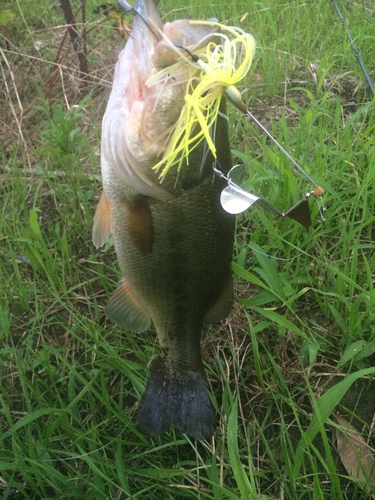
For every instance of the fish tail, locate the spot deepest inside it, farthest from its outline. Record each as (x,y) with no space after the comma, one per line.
(176,399)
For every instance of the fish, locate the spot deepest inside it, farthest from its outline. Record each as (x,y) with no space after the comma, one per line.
(172,238)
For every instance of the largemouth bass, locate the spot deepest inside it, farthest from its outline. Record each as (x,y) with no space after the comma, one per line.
(172,239)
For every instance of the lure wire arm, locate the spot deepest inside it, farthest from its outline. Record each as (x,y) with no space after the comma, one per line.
(318,191)
(281,148)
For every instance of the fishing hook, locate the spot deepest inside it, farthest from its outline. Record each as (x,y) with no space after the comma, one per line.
(131,10)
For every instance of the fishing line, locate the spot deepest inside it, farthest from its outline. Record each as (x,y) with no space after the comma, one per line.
(356,50)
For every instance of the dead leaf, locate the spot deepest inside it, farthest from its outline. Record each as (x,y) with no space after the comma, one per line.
(356,455)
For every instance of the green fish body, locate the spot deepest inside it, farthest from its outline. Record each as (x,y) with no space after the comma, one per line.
(172,239)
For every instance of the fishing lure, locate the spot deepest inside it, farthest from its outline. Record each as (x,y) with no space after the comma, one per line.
(221,67)
(236,200)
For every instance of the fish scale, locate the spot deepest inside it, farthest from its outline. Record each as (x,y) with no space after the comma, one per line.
(185,266)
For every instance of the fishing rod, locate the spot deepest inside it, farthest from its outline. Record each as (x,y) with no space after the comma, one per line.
(356,50)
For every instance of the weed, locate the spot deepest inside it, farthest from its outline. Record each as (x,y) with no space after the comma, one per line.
(300,341)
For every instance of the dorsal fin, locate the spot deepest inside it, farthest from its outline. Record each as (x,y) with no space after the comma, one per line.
(125,309)
(102,222)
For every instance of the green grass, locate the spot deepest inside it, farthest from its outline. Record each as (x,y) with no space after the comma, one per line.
(301,339)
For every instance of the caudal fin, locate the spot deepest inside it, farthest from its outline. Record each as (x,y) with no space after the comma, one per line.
(179,400)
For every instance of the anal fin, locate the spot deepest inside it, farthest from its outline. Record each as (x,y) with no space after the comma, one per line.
(126,310)
(102,222)
(222,306)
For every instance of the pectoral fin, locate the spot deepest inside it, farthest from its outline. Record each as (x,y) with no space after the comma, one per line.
(222,306)
(126,310)
(140,223)
(102,222)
